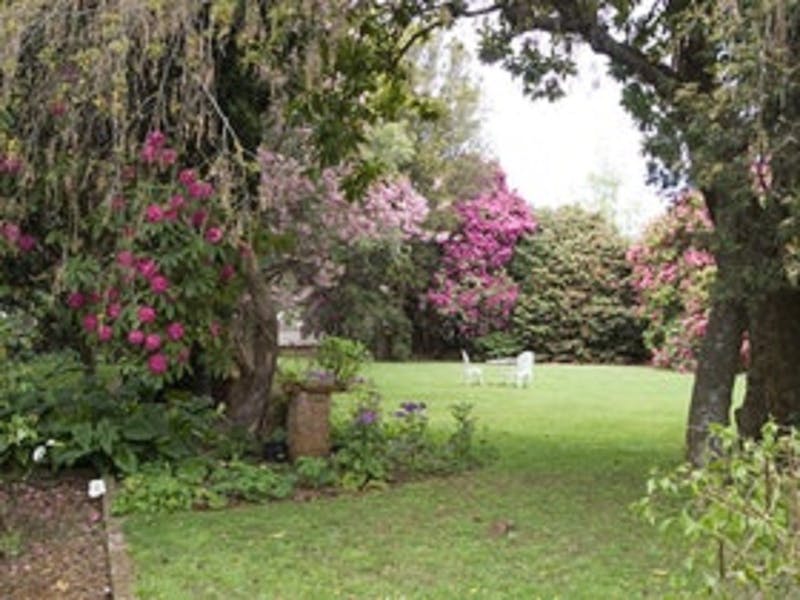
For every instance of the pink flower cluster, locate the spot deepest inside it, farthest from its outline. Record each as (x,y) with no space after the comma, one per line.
(672,277)
(156,152)
(10,165)
(472,285)
(16,238)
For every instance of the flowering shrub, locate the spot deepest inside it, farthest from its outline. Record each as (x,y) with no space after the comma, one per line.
(171,280)
(472,287)
(673,274)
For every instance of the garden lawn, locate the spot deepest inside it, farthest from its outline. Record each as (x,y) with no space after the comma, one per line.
(549,518)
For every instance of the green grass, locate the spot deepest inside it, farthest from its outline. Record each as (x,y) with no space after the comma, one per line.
(574,450)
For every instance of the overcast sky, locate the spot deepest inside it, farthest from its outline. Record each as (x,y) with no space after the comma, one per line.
(551,150)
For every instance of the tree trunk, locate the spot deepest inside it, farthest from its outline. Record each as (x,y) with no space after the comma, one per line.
(773,383)
(716,371)
(255,342)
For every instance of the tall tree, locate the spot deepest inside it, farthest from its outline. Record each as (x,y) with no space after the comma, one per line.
(713,86)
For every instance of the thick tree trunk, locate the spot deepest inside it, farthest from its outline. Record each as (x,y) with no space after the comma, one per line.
(716,371)
(773,382)
(255,341)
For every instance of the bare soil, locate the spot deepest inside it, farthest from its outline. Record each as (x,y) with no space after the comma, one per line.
(52,541)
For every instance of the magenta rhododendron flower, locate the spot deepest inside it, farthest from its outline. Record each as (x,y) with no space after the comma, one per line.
(113,310)
(227,273)
(199,217)
(158,364)
(167,157)
(104,333)
(26,242)
(175,331)
(152,342)
(159,284)
(126,258)
(146,314)
(147,267)
(154,213)
(136,337)
(76,300)
(177,202)
(214,235)
(90,322)
(200,190)
(112,294)
(187,176)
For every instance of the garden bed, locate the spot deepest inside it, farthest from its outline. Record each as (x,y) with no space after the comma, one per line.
(57,548)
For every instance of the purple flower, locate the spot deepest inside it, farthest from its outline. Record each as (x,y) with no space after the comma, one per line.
(366,417)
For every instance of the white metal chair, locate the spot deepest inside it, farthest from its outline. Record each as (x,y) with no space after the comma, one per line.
(523,369)
(472,373)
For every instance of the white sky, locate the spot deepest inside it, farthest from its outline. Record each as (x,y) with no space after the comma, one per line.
(550,150)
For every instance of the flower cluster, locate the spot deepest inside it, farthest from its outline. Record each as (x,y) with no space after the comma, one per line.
(170,281)
(15,238)
(472,286)
(672,275)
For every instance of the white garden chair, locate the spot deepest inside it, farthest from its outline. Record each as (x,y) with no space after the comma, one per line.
(522,374)
(472,373)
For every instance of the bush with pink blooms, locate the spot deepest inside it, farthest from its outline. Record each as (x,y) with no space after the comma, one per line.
(673,272)
(170,279)
(472,289)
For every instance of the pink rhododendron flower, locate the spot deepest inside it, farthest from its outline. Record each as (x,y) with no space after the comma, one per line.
(154,213)
(113,310)
(214,235)
(227,273)
(152,342)
(175,331)
(199,217)
(26,242)
(187,176)
(157,364)
(159,284)
(177,202)
(76,300)
(126,258)
(104,333)
(94,297)
(147,267)
(136,337)
(167,157)
(146,314)
(90,322)
(200,190)
(112,294)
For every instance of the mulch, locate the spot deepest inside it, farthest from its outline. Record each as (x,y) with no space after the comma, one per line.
(60,551)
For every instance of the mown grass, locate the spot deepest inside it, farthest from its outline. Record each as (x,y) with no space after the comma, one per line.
(574,450)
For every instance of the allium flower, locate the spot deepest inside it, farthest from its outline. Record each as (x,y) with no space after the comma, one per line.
(146,314)
(104,333)
(136,337)
(227,273)
(157,364)
(200,190)
(152,342)
(199,217)
(167,157)
(367,417)
(154,213)
(214,235)
(76,300)
(175,331)
(177,202)
(159,284)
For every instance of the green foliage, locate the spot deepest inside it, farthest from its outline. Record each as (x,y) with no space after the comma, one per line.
(342,357)
(198,483)
(89,421)
(741,513)
(314,472)
(575,303)
(374,449)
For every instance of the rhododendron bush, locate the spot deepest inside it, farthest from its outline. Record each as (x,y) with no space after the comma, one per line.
(472,288)
(673,274)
